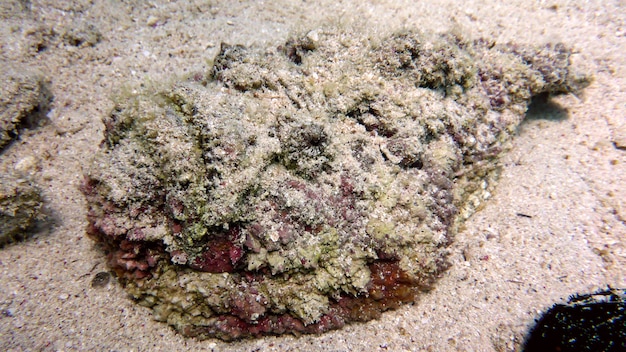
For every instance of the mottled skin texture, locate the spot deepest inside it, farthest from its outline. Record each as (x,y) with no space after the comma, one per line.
(298,188)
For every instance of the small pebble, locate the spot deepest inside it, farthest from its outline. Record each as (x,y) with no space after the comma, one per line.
(101,279)
(619,142)
(152,21)
(26,164)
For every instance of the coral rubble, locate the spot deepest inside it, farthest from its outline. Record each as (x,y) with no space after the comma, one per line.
(21,205)
(298,188)
(24,98)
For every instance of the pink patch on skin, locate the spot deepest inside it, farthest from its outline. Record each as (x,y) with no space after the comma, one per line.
(137,234)
(179,257)
(252,245)
(151,260)
(177,228)
(128,255)
(235,254)
(220,256)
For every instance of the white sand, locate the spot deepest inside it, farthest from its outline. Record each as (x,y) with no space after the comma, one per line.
(564,171)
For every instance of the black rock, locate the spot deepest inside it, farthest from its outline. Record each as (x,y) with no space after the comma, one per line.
(590,322)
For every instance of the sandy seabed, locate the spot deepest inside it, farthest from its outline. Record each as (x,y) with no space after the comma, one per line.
(566,171)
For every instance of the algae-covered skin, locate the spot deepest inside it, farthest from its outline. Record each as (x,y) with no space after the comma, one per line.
(297,188)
